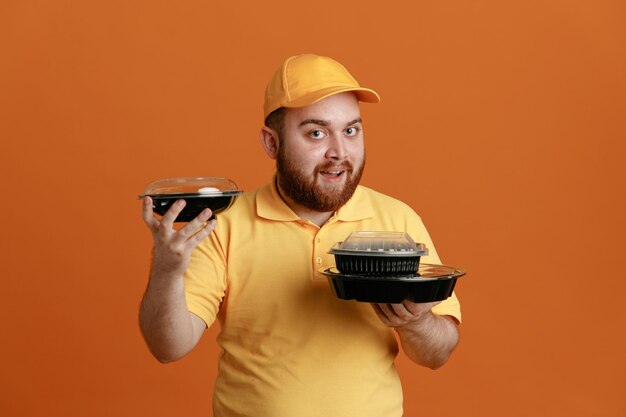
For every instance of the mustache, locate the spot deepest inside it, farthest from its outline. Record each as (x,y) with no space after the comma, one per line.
(344,166)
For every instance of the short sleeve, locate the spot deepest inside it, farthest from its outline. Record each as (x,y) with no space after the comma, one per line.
(205,279)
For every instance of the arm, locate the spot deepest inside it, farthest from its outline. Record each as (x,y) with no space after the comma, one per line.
(426,338)
(169,329)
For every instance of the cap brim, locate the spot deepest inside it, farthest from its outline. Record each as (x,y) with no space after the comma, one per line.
(363,94)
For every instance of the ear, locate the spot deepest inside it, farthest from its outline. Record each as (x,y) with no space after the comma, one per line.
(269,140)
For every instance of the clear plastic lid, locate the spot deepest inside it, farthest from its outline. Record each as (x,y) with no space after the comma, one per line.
(191,187)
(379,244)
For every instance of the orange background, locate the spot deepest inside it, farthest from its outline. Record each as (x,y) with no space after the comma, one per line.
(502,124)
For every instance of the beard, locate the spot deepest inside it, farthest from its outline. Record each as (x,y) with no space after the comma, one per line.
(305,191)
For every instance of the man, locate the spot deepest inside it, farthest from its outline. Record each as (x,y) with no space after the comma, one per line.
(290,348)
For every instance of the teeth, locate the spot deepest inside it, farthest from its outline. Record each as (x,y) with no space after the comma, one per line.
(335,173)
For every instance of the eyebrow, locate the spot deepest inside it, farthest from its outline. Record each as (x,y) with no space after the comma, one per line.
(325,123)
(313,122)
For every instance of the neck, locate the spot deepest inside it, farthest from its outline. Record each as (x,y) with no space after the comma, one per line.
(316,217)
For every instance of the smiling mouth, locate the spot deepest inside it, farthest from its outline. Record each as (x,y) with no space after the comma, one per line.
(333,173)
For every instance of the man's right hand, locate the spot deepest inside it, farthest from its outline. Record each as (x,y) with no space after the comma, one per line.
(172,248)
(169,328)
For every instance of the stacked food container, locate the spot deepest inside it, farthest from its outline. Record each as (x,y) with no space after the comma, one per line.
(384,267)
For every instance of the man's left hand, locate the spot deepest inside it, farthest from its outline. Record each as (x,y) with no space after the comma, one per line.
(427,338)
(407,312)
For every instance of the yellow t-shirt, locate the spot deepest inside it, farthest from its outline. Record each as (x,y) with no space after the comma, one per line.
(289,346)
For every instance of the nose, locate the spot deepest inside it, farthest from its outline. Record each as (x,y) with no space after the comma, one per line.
(336,148)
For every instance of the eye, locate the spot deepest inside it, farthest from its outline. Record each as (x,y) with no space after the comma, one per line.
(352,131)
(316,134)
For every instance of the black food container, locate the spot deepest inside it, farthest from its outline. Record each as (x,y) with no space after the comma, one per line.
(429,283)
(216,193)
(378,254)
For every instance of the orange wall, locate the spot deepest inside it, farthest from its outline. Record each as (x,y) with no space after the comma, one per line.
(502,124)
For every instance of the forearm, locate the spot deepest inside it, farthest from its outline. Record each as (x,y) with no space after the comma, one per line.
(430,340)
(166,323)
(168,327)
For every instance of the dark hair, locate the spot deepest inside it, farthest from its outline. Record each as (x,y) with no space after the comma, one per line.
(275,120)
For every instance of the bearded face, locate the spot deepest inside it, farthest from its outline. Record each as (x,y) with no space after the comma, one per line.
(320,154)
(308,190)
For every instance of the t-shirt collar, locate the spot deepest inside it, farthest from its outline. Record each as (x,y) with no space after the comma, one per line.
(359,207)
(269,204)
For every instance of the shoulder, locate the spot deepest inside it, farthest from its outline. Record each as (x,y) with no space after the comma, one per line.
(242,207)
(236,220)
(384,203)
(393,214)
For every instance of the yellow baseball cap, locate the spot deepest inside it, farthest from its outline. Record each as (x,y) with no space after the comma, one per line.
(306,79)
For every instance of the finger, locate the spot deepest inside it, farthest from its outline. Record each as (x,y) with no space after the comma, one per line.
(196,225)
(381,315)
(173,212)
(202,234)
(401,311)
(417,309)
(387,311)
(390,317)
(148,216)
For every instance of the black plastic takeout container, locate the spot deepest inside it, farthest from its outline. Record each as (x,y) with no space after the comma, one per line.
(378,253)
(429,283)
(216,193)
